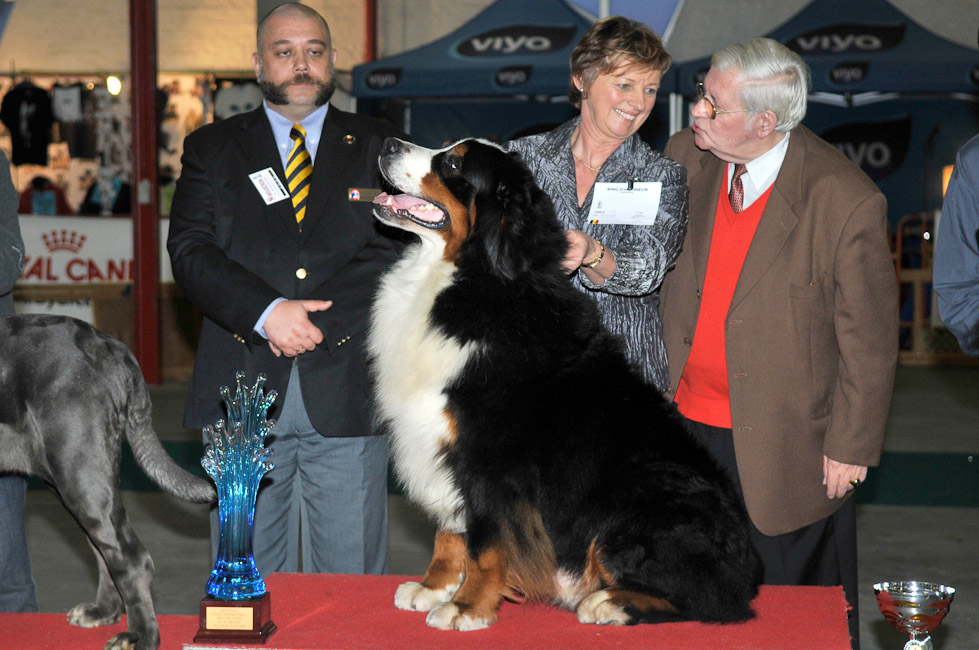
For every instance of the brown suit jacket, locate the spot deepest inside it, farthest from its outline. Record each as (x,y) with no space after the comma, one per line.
(811,336)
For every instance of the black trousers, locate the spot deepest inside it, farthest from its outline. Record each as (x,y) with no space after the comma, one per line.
(823,553)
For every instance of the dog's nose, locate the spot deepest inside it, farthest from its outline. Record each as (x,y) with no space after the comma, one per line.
(392,146)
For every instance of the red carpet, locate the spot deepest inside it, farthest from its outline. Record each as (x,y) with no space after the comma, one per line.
(330,612)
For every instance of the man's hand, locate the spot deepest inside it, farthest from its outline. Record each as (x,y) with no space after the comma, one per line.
(289,329)
(837,477)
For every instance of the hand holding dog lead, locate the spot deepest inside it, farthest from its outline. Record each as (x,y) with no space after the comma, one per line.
(289,330)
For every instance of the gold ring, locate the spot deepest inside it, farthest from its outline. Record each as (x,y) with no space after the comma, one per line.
(855,482)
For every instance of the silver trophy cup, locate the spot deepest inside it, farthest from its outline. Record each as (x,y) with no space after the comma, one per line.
(914,607)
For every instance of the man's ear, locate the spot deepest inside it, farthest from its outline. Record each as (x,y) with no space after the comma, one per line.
(765,123)
(256,63)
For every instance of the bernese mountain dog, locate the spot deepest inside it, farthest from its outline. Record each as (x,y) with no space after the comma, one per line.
(553,471)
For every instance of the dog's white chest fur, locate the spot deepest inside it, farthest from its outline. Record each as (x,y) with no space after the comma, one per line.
(413,363)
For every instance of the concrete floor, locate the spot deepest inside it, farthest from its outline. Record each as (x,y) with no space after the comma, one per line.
(934,410)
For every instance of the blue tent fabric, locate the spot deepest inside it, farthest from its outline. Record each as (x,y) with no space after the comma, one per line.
(656,15)
(513,47)
(866,46)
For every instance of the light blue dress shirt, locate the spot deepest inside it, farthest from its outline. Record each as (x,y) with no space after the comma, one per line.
(281,130)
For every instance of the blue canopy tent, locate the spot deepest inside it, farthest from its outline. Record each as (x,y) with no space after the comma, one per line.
(656,15)
(503,73)
(894,97)
(512,47)
(864,47)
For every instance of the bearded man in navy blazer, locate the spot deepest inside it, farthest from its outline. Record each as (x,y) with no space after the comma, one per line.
(287,292)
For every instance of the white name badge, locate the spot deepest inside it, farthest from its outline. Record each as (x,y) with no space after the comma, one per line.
(617,203)
(269,186)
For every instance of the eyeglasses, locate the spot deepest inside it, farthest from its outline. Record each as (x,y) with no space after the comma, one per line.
(712,110)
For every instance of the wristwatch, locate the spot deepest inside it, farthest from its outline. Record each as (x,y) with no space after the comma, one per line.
(598,260)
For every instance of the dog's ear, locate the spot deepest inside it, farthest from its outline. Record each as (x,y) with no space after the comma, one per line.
(503,194)
(518,229)
(513,239)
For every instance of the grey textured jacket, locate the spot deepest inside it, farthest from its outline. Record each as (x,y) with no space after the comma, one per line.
(11,244)
(628,300)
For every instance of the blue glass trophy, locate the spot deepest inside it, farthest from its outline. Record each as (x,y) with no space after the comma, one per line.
(237,606)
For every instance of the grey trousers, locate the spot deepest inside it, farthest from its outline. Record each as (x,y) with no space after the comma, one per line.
(326,498)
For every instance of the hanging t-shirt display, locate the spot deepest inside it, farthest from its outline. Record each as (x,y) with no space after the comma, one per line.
(26,112)
(66,100)
(75,111)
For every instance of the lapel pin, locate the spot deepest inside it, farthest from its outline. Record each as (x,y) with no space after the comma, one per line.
(349,139)
(363,194)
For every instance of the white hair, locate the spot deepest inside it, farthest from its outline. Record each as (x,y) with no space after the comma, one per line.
(772,77)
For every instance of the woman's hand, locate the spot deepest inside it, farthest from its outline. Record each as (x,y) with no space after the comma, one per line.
(581,249)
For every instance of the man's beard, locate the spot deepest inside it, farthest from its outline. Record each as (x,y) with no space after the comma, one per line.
(276,93)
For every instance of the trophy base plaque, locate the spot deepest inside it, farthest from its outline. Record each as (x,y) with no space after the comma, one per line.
(235,621)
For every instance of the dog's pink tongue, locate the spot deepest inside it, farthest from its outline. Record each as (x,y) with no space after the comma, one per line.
(419,208)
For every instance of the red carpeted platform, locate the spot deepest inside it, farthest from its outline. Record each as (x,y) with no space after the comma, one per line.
(332,612)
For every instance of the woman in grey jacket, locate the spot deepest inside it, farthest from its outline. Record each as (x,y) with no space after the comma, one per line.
(619,250)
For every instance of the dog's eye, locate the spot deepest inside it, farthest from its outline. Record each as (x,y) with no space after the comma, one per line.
(453,163)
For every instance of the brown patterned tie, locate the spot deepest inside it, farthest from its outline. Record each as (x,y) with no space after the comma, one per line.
(736,195)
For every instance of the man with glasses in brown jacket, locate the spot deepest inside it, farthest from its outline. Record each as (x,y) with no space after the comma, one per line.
(780,317)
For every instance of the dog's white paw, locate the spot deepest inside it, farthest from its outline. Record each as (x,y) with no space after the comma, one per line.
(413,596)
(89,615)
(124,641)
(598,609)
(448,617)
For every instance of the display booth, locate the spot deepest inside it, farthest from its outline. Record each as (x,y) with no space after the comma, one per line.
(68,141)
(83,267)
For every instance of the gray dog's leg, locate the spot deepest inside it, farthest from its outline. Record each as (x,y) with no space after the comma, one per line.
(88,490)
(107,608)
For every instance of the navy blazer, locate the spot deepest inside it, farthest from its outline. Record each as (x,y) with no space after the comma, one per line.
(232,255)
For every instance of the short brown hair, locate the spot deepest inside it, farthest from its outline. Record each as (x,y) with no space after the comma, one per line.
(610,43)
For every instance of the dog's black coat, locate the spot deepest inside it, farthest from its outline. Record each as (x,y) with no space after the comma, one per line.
(71,394)
(548,413)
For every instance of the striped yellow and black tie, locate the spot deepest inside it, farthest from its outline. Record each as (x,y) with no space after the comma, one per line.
(299,167)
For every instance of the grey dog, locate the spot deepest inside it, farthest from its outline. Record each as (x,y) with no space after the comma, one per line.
(70,394)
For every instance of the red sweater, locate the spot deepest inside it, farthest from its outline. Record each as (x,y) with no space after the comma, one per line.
(702,394)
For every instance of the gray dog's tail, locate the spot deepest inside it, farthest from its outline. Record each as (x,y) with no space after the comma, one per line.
(150,454)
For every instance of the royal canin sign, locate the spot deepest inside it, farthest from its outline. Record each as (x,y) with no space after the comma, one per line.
(79,250)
